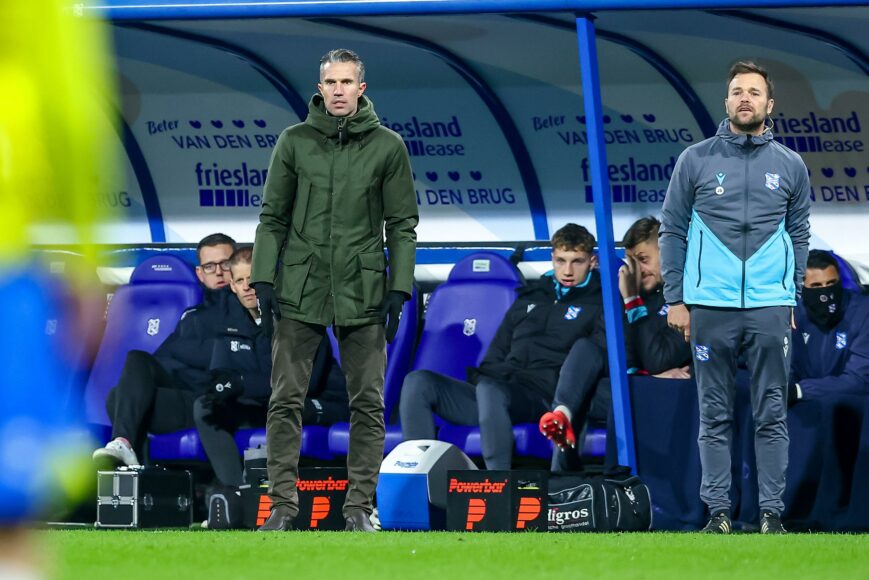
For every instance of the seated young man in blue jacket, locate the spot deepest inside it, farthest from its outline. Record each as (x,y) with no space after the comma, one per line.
(831,341)
(217,361)
(542,341)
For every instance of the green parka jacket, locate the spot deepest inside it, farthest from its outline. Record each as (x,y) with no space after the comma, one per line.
(320,239)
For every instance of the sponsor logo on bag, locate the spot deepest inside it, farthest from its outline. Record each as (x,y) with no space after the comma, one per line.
(556,516)
(476,512)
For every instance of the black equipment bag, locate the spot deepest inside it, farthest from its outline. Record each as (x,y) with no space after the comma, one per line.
(614,502)
(225,508)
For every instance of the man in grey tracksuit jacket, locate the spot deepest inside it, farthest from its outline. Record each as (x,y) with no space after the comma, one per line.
(734,240)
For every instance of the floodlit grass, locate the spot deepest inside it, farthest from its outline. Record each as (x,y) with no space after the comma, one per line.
(133,555)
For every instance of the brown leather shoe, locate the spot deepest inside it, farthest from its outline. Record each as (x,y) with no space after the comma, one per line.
(280,520)
(358,521)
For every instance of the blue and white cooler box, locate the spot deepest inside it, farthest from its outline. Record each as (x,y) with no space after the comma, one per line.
(412,490)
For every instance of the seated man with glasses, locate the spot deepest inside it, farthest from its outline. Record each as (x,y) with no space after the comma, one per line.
(145,388)
(213,252)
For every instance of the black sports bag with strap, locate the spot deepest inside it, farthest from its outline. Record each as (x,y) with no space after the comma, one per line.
(614,502)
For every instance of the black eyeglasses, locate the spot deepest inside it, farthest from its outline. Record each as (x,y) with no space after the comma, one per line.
(211,267)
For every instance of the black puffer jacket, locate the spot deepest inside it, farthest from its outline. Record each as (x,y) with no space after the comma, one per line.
(652,345)
(538,332)
(219,334)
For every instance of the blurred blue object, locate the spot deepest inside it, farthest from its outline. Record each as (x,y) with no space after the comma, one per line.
(35,426)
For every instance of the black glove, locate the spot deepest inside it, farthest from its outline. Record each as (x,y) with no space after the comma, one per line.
(390,310)
(793,394)
(269,310)
(226,385)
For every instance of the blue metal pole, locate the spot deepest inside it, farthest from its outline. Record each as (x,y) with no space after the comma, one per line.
(609,263)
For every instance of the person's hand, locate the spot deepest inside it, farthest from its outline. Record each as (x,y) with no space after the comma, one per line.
(225,385)
(677,373)
(269,309)
(390,310)
(629,278)
(679,319)
(793,393)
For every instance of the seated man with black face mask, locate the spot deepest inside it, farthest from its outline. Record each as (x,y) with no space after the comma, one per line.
(831,342)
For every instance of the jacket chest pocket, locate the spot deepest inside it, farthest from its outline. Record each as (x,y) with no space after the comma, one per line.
(375,207)
(372,266)
(292,278)
(300,207)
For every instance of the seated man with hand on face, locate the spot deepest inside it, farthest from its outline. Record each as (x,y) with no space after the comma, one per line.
(654,347)
(540,351)
(831,341)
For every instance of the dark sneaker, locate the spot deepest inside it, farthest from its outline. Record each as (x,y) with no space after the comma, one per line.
(770,523)
(718,524)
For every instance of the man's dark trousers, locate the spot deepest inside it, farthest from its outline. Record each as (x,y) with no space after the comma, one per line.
(147,399)
(582,388)
(497,405)
(363,358)
(718,335)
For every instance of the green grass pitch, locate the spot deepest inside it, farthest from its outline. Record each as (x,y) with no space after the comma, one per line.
(180,555)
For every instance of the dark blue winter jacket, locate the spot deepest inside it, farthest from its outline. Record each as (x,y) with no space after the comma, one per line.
(835,361)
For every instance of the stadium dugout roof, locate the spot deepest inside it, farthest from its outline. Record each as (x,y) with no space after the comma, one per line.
(579,14)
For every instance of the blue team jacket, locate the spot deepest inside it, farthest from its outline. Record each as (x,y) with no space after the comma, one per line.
(834,361)
(735,228)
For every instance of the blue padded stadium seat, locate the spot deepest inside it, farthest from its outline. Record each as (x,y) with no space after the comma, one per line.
(141,316)
(186,446)
(461,320)
(849,277)
(179,446)
(529,441)
(398,355)
(463,314)
(314,441)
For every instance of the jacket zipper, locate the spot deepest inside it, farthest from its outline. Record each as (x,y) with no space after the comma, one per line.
(699,259)
(342,131)
(787,257)
(744,231)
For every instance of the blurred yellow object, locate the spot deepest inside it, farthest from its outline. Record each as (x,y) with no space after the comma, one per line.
(54,86)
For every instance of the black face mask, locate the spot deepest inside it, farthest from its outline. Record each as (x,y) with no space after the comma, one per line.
(824,305)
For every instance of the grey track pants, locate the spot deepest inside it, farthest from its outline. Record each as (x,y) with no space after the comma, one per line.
(718,336)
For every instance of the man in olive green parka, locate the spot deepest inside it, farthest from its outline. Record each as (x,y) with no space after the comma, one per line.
(335,183)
